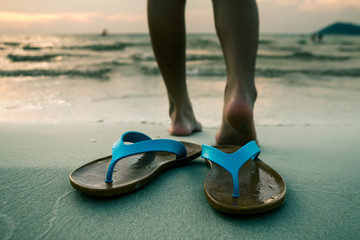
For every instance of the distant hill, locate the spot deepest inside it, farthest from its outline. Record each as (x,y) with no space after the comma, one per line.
(341,28)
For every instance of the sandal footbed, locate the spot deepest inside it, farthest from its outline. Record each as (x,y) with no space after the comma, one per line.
(261,187)
(130,173)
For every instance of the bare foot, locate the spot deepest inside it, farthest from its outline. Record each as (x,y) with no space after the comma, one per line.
(237,127)
(183,122)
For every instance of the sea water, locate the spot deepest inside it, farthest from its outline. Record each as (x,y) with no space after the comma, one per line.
(71,78)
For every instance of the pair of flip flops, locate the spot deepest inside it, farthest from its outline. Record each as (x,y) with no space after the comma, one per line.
(238,182)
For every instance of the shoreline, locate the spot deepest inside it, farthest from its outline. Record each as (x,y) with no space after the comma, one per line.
(164,124)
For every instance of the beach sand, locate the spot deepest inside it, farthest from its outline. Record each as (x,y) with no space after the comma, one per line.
(320,165)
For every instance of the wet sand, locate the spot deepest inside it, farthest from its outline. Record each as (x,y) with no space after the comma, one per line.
(320,165)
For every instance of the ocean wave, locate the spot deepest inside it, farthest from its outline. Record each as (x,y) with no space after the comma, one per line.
(113,63)
(270,73)
(211,41)
(306,56)
(302,42)
(265,42)
(206,72)
(349,49)
(32,58)
(100,47)
(99,73)
(150,70)
(198,42)
(195,71)
(142,57)
(29,47)
(345,43)
(287,48)
(117,62)
(199,57)
(189,57)
(297,55)
(11,43)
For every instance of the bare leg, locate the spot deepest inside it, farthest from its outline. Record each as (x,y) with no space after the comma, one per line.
(167,31)
(237,27)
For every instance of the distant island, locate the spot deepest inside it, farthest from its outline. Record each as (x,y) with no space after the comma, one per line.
(341,28)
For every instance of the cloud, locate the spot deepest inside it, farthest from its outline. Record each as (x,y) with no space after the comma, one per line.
(128,17)
(21,18)
(282,2)
(317,5)
(334,5)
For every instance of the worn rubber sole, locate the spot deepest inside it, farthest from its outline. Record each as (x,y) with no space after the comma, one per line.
(130,173)
(262,189)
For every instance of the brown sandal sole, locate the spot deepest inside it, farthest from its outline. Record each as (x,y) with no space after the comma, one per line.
(262,189)
(130,173)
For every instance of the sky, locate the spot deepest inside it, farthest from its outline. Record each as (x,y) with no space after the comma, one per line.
(129,16)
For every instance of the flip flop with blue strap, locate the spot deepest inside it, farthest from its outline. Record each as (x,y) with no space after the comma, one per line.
(239,182)
(131,166)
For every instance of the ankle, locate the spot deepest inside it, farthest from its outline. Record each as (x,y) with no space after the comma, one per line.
(239,99)
(247,94)
(183,122)
(181,110)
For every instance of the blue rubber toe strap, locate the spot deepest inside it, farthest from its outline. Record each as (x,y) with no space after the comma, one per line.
(141,144)
(232,162)
(130,136)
